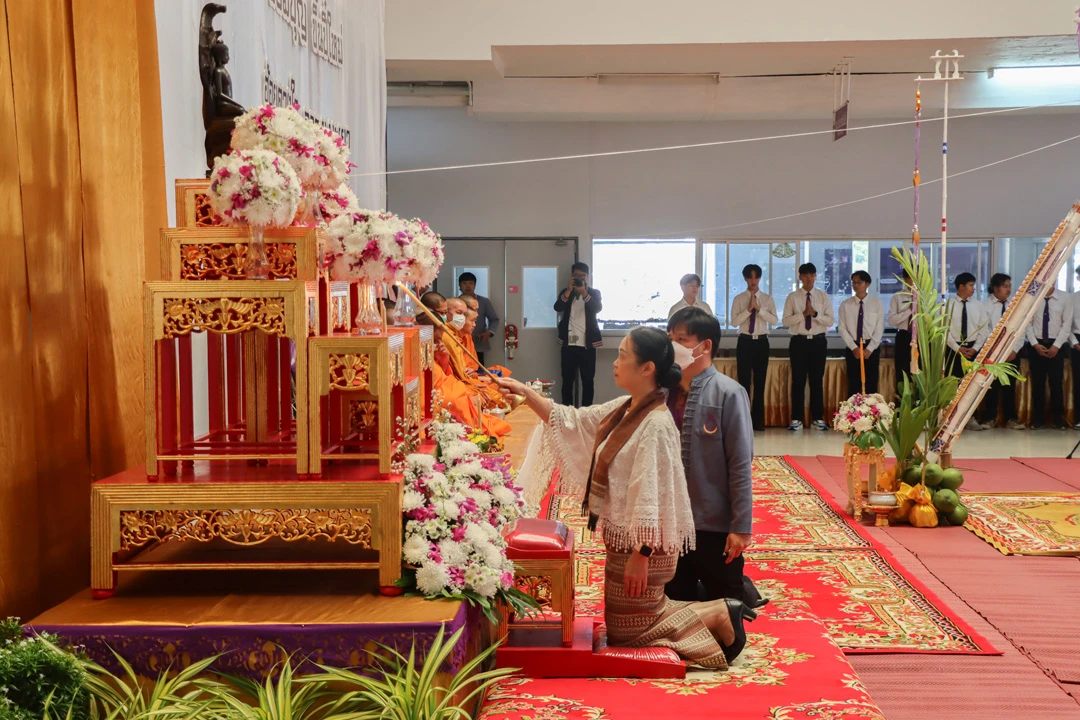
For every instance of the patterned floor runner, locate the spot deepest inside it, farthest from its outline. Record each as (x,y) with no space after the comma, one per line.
(790,670)
(1031,524)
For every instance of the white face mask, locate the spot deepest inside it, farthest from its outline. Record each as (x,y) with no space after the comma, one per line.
(457,321)
(684,356)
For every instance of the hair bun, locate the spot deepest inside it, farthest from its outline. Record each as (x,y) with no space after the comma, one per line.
(671,377)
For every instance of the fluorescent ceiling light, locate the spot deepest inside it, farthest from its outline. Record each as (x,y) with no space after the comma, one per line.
(1057,75)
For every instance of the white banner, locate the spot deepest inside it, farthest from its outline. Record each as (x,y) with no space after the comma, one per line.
(326,55)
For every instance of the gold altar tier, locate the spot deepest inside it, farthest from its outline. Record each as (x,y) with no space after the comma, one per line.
(244,507)
(778,388)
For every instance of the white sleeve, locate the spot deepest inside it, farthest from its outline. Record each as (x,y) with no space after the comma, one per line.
(878,330)
(792,314)
(564,442)
(845,332)
(768,308)
(1066,324)
(739,310)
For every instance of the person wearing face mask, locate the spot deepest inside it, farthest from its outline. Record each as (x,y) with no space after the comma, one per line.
(456,321)
(712,413)
(467,335)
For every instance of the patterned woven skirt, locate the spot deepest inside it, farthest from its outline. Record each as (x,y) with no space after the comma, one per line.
(654,620)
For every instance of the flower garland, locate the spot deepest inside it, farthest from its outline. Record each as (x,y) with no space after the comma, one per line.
(340,201)
(865,419)
(380,247)
(456,505)
(254,188)
(332,155)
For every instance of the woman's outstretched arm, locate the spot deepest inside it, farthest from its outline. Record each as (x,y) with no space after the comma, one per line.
(534,400)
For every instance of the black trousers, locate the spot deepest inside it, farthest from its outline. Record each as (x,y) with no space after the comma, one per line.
(752,361)
(1076,381)
(854,379)
(808,362)
(706,563)
(998,394)
(1042,370)
(902,356)
(954,364)
(575,361)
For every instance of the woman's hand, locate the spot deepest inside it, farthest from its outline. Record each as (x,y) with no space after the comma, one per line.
(509,386)
(636,575)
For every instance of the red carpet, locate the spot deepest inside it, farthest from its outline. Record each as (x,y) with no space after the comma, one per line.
(790,670)
(1028,599)
(1061,470)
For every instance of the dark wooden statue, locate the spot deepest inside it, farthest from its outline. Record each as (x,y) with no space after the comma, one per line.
(219,110)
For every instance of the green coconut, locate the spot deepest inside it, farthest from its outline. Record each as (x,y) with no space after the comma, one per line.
(932,475)
(958,516)
(946,500)
(952,479)
(912,475)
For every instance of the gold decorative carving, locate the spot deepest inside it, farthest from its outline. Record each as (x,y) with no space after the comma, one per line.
(224,315)
(363,415)
(536,586)
(245,527)
(397,368)
(350,372)
(426,353)
(339,313)
(313,315)
(225,261)
(204,211)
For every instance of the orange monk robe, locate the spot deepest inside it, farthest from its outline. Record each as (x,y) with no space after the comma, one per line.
(492,398)
(460,399)
(467,341)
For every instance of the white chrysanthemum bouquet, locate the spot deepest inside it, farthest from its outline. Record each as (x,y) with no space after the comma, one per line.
(456,505)
(255,188)
(865,419)
(340,201)
(380,247)
(285,131)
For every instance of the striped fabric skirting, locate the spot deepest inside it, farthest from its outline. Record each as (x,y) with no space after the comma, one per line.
(654,620)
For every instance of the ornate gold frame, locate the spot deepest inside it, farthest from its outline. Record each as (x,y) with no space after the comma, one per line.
(556,576)
(370,366)
(293,252)
(192,204)
(226,307)
(289,511)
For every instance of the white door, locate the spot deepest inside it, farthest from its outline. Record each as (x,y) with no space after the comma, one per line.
(484,259)
(537,270)
(522,277)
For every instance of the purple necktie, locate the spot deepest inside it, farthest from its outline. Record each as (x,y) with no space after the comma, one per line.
(1046,319)
(753,318)
(859,325)
(809,321)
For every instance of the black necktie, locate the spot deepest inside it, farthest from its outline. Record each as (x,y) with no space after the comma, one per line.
(859,325)
(1046,319)
(963,322)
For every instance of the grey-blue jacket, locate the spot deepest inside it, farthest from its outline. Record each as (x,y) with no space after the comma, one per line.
(717,453)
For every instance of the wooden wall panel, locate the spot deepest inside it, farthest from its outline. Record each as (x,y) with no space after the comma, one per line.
(46,115)
(18,477)
(117,226)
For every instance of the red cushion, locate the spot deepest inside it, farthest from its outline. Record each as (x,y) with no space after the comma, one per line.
(648,654)
(536,534)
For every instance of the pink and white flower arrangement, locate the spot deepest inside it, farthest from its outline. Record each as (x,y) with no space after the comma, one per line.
(288,133)
(380,247)
(456,505)
(340,201)
(332,157)
(865,419)
(256,188)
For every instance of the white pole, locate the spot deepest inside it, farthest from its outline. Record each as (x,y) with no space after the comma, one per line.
(944,184)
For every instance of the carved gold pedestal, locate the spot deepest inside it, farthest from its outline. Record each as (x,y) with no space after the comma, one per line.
(548,576)
(131,516)
(354,375)
(854,460)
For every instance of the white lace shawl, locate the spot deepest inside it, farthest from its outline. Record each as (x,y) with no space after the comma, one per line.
(647,500)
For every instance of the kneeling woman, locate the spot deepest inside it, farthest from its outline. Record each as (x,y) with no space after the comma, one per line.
(635,489)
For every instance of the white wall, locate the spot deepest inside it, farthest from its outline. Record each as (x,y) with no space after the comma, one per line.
(466,29)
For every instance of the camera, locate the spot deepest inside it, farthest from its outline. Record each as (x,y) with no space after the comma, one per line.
(578,282)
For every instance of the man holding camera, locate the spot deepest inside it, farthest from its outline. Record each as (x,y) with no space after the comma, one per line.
(579,334)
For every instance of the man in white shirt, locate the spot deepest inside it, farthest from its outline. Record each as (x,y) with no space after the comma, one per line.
(691,288)
(1000,290)
(1075,342)
(752,312)
(808,314)
(968,329)
(861,321)
(1048,334)
(900,318)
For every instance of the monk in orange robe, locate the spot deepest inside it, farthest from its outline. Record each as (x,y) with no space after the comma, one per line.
(455,348)
(466,338)
(457,397)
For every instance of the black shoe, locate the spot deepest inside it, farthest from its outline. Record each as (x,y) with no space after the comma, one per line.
(759,428)
(1037,427)
(739,614)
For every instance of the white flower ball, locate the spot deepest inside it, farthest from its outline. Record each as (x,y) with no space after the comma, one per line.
(415,550)
(432,578)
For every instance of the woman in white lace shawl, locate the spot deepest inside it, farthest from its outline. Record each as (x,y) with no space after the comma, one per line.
(624,459)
